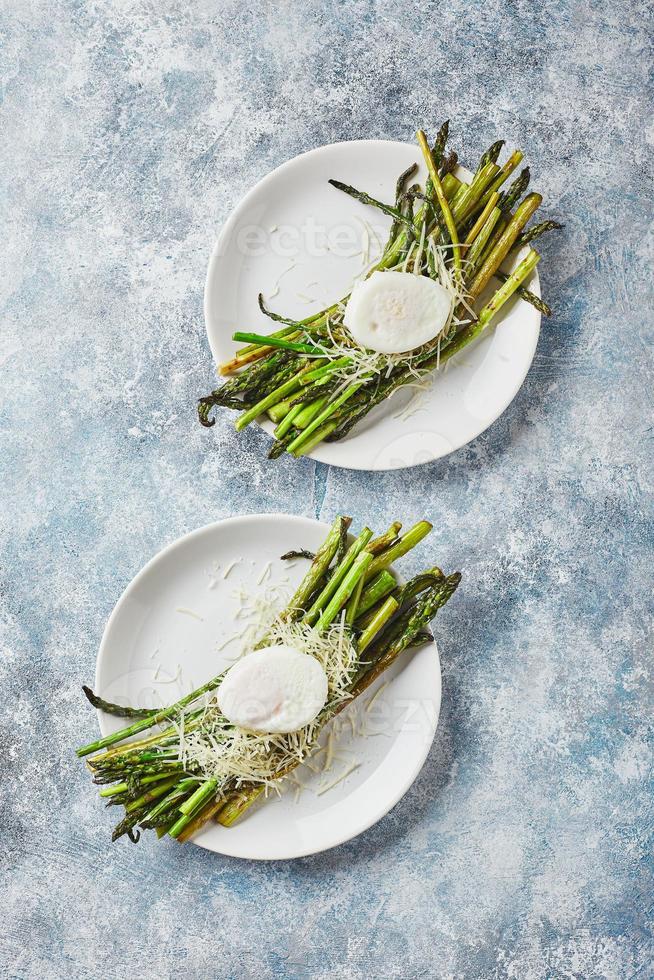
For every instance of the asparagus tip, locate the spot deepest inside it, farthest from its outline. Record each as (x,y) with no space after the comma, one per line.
(204,407)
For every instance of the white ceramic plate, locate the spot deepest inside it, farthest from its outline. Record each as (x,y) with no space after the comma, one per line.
(298,240)
(164,638)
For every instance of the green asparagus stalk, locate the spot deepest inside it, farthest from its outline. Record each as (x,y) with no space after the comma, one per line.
(309,411)
(416,585)
(339,574)
(388,608)
(442,200)
(276,396)
(257,338)
(504,173)
(316,437)
(375,590)
(361,564)
(353,603)
(120,788)
(502,247)
(385,540)
(166,809)
(510,198)
(210,809)
(367,199)
(158,716)
(508,287)
(319,566)
(296,445)
(437,153)
(482,237)
(531,234)
(527,295)
(491,155)
(481,220)
(405,544)
(288,421)
(295,324)
(190,806)
(469,333)
(114,709)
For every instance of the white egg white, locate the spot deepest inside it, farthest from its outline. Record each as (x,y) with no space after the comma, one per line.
(273,690)
(395,312)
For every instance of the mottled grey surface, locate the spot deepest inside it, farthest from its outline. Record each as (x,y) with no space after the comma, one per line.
(129,130)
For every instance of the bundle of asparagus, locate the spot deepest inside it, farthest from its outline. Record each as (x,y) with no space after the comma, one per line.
(313,380)
(194,765)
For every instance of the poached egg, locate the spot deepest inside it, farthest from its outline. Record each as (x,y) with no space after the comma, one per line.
(274,690)
(395,312)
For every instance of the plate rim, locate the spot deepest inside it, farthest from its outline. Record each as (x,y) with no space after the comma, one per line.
(216,253)
(420,757)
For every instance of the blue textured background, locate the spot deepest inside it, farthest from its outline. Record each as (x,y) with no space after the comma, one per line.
(129,130)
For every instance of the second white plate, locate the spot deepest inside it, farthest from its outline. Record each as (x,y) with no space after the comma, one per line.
(301,242)
(167,634)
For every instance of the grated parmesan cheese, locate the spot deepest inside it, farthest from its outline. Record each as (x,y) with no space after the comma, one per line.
(173,680)
(265,574)
(329,754)
(231,565)
(339,779)
(276,285)
(374,697)
(189,612)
